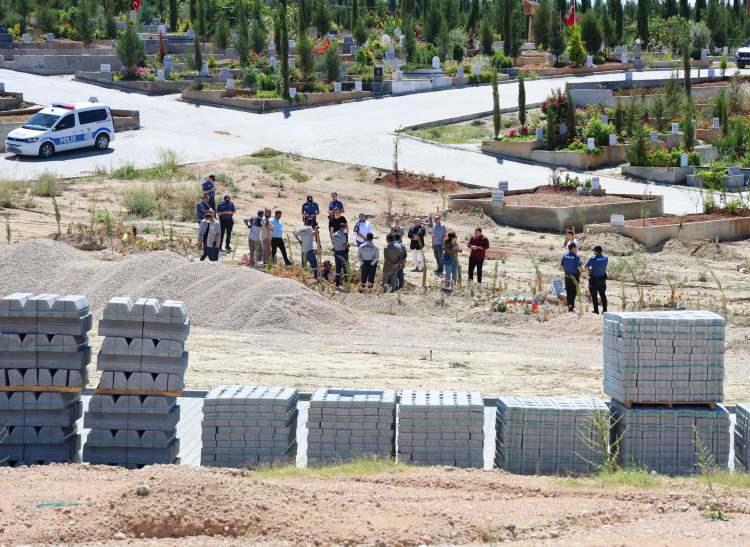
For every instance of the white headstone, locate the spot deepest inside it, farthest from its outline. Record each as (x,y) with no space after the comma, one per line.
(385,39)
(399,75)
(397,32)
(539,134)
(160,75)
(683,160)
(502,186)
(589,61)
(624,57)
(711,73)
(498,195)
(106,68)
(604,119)
(50,36)
(271,48)
(273,61)
(563,128)
(162,29)
(26,38)
(665,49)
(224,73)
(617,221)
(436,62)
(190,34)
(704,54)
(230,84)
(654,136)
(290,61)
(337,87)
(725,51)
(591,143)
(291,44)
(595,184)
(292,92)
(460,72)
(133,15)
(477,70)
(204,69)
(734,171)
(628,76)
(675,128)
(358,86)
(618,50)
(331,37)
(715,123)
(402,41)
(612,139)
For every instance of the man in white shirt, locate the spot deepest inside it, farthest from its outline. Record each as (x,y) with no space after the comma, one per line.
(361,229)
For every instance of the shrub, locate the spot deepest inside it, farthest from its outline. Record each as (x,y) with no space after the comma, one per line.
(222,34)
(637,152)
(500,61)
(591,31)
(46,186)
(328,63)
(486,36)
(250,80)
(599,131)
(576,50)
(130,49)
(139,201)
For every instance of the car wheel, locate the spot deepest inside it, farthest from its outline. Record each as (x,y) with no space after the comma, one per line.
(47,150)
(102,142)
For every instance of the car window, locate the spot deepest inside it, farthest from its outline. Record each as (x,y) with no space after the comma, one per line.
(41,121)
(92,116)
(67,122)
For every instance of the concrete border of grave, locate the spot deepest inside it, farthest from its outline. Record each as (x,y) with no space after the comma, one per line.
(556,219)
(586,93)
(10,100)
(532,150)
(667,175)
(730,228)
(238,101)
(155,87)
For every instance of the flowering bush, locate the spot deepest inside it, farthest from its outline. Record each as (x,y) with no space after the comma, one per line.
(322,46)
(512,133)
(524,131)
(133,73)
(558,103)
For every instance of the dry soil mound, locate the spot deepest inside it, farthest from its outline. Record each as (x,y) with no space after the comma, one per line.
(220,297)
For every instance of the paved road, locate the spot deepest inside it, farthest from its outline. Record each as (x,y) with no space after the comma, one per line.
(359,132)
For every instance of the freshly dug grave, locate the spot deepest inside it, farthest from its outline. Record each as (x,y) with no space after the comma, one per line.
(549,196)
(422,183)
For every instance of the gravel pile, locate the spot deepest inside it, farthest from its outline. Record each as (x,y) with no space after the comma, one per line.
(222,297)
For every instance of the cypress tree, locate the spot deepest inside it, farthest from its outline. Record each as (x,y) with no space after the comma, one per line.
(496,116)
(642,20)
(284,52)
(507,26)
(684,9)
(521,102)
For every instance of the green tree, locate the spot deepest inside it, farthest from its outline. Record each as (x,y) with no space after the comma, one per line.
(591,31)
(329,63)
(23,9)
(197,54)
(557,40)
(433,20)
(83,20)
(570,113)
(202,26)
(174,14)
(541,24)
(576,50)
(496,116)
(670,8)
(130,49)
(305,15)
(360,32)
(355,14)
(258,35)
(684,9)
(242,41)
(716,21)
(486,36)
(471,22)
(688,127)
(619,22)
(222,34)
(700,9)
(321,16)
(410,40)
(306,57)
(642,20)
(608,31)
(451,13)
(686,64)
(284,50)
(507,26)
(521,101)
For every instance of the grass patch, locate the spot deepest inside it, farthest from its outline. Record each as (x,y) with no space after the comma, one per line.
(12,194)
(46,186)
(265,153)
(636,478)
(724,477)
(365,466)
(276,165)
(453,134)
(167,168)
(162,199)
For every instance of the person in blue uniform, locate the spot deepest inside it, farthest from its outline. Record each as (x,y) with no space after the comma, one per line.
(209,187)
(597,267)
(571,267)
(310,210)
(225,211)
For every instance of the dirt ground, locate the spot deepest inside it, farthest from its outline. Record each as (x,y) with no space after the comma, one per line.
(547,196)
(94,505)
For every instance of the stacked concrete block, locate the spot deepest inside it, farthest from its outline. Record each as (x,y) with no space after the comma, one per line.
(350,423)
(44,352)
(669,441)
(247,426)
(742,437)
(441,428)
(551,435)
(664,357)
(134,413)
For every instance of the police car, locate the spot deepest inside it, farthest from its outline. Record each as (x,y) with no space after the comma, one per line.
(63,126)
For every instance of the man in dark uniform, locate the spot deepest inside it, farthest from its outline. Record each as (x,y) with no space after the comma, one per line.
(225,212)
(310,210)
(209,187)
(597,267)
(201,208)
(571,267)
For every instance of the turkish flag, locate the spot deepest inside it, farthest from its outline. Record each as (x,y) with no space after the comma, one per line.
(136,5)
(570,20)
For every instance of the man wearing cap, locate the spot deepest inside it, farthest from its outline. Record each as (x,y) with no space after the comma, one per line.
(225,211)
(340,242)
(367,255)
(209,187)
(416,236)
(391,264)
(571,267)
(439,233)
(361,229)
(201,208)
(597,267)
(310,210)
(306,236)
(209,237)
(254,226)
(334,205)
(335,221)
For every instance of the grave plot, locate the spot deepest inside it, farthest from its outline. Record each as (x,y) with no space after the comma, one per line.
(551,435)
(44,351)
(247,426)
(134,413)
(742,438)
(441,428)
(349,423)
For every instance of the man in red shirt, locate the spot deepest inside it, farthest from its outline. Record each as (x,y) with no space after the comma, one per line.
(478,245)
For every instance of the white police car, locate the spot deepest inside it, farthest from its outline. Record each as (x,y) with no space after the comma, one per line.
(63,126)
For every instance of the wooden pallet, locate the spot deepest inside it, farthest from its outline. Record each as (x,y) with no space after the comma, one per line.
(116,391)
(633,404)
(56,389)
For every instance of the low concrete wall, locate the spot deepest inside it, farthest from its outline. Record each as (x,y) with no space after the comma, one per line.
(399,87)
(556,219)
(668,175)
(732,183)
(532,151)
(725,229)
(147,87)
(6,128)
(10,101)
(219,98)
(48,65)
(511,148)
(126,120)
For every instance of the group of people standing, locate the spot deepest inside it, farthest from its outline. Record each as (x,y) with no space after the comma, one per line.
(596,266)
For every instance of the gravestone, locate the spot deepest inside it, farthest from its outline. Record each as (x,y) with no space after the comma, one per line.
(274,62)
(312,32)
(133,15)
(390,55)
(665,49)
(348,42)
(160,75)
(190,34)
(331,37)
(26,38)
(612,139)
(162,29)
(292,92)
(50,37)
(604,119)
(168,65)
(460,72)
(683,160)
(291,44)
(402,42)
(675,128)
(715,123)
(230,84)
(106,68)
(563,128)
(654,137)
(477,70)
(291,63)
(399,75)
(734,171)
(711,73)
(595,183)
(539,134)
(204,69)
(498,196)
(502,186)
(378,73)
(618,51)
(397,32)
(589,61)
(436,63)
(704,54)
(358,86)
(628,76)
(618,221)
(725,51)
(557,286)
(591,143)
(2,87)
(353,51)
(271,48)
(224,74)
(386,40)
(337,87)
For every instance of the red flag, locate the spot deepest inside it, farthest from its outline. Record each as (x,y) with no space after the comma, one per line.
(570,20)
(136,5)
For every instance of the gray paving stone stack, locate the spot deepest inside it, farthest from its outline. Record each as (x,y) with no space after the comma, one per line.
(742,437)
(247,426)
(134,413)
(550,435)
(350,423)
(664,440)
(44,352)
(664,357)
(441,428)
